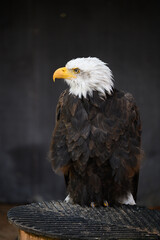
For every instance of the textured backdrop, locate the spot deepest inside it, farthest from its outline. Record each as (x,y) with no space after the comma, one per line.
(37,37)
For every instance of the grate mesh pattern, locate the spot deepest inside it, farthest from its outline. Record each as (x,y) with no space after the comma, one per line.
(66,221)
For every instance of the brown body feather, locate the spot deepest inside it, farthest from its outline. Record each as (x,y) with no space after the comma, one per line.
(96,143)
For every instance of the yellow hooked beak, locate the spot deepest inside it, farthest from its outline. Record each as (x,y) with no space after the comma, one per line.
(63,73)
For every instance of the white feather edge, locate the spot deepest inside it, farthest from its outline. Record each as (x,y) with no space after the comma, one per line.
(68,199)
(129,200)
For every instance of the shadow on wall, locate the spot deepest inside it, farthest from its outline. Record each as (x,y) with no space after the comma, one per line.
(29,177)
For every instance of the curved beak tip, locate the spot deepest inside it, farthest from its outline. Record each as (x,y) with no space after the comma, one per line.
(63,73)
(54,78)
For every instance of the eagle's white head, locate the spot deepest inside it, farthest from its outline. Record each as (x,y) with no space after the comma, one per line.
(85,75)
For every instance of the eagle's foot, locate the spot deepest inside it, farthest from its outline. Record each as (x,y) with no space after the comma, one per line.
(93,205)
(105,204)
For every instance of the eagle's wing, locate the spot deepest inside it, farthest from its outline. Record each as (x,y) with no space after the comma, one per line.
(69,140)
(117,138)
(58,150)
(129,150)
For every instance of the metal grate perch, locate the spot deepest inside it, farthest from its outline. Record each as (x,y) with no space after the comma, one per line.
(60,220)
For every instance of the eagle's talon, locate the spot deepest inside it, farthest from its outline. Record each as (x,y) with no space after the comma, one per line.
(93,205)
(105,203)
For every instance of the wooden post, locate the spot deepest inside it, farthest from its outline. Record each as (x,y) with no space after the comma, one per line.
(28,236)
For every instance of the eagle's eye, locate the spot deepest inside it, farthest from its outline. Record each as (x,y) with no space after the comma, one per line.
(76,70)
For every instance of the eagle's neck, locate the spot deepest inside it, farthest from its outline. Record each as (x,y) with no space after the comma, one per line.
(83,88)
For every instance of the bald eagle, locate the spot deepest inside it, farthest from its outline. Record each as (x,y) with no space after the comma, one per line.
(96,142)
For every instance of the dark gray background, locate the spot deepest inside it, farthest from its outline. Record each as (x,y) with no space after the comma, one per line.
(36,38)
